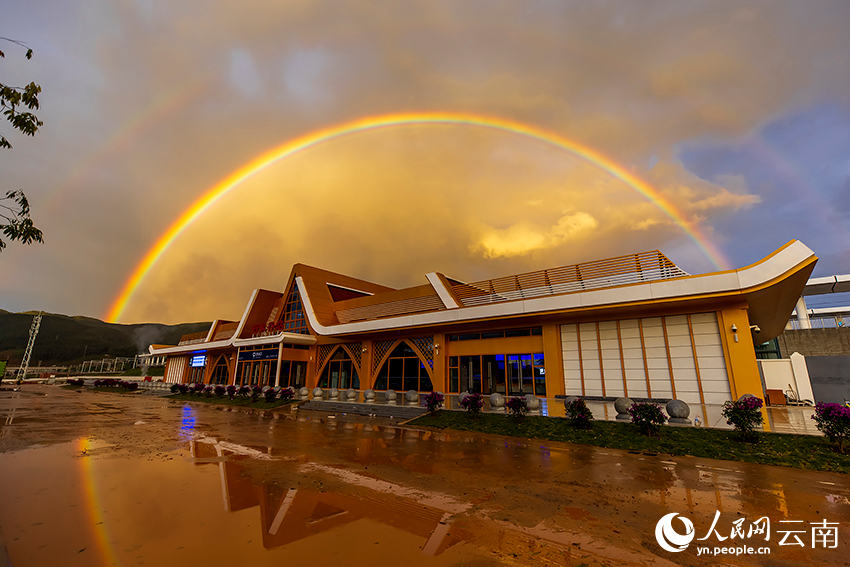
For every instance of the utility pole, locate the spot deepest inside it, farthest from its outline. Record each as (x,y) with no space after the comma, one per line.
(25,363)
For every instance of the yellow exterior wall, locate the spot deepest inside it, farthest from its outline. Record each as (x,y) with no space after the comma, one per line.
(741,365)
(438,376)
(553,355)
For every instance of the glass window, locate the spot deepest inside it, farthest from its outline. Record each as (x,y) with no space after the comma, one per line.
(403,371)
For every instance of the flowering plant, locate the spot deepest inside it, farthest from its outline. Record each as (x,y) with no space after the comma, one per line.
(245,391)
(76,382)
(472,403)
(287,393)
(517,406)
(231,391)
(255,393)
(833,420)
(648,417)
(434,401)
(197,388)
(183,388)
(220,391)
(745,416)
(175,388)
(579,414)
(270,395)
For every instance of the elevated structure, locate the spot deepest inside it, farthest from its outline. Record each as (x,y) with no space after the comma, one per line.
(634,325)
(36,325)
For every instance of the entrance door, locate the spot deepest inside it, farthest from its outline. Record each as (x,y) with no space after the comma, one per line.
(520,376)
(470,374)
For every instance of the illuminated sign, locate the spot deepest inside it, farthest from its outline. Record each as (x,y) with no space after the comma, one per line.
(265,354)
(198,360)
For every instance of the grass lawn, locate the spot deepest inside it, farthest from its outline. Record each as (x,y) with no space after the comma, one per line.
(226,401)
(799,451)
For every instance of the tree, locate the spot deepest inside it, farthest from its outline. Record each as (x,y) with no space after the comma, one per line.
(15,221)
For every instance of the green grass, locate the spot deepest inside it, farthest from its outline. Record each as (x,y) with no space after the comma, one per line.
(226,401)
(798,451)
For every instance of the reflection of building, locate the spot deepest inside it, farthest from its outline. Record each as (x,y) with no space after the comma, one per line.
(289,515)
(635,325)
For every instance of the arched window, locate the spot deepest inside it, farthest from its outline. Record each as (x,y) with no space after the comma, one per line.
(340,372)
(221,372)
(403,370)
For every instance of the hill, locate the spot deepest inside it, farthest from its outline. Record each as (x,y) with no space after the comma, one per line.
(65,340)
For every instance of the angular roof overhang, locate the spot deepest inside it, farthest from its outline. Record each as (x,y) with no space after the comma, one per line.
(769,287)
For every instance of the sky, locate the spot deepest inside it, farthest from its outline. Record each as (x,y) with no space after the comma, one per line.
(736,114)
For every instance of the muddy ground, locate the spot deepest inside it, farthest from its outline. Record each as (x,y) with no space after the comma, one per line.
(102,479)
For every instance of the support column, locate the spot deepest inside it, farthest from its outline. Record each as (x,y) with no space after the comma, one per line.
(803,314)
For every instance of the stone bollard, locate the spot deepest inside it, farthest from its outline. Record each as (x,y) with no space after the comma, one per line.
(412,398)
(351,395)
(678,412)
(390,396)
(497,402)
(334,394)
(304,393)
(622,406)
(461,396)
(369,396)
(533,403)
(318,393)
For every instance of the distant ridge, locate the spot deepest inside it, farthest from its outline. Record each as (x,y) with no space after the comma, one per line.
(65,339)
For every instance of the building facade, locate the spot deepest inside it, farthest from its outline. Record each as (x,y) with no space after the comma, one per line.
(636,325)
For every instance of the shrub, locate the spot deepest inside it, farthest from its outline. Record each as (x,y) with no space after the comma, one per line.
(175,388)
(270,395)
(517,406)
(745,416)
(76,382)
(579,414)
(197,388)
(219,391)
(208,391)
(472,403)
(183,388)
(231,391)
(287,393)
(245,391)
(833,420)
(434,401)
(648,417)
(255,393)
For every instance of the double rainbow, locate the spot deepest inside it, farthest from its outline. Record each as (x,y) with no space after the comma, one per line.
(388,121)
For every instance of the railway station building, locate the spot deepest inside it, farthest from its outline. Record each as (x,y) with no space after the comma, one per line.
(635,325)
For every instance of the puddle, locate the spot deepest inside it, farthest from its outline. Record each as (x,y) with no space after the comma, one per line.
(195,485)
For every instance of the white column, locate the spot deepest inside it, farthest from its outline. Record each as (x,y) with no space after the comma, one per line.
(803,314)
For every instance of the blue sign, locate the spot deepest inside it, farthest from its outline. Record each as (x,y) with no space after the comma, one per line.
(267,354)
(198,360)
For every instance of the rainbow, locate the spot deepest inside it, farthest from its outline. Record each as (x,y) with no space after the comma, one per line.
(94,506)
(387,121)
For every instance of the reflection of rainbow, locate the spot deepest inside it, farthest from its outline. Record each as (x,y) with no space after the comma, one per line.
(94,507)
(391,120)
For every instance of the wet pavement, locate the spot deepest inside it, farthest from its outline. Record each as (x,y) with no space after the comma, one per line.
(103,479)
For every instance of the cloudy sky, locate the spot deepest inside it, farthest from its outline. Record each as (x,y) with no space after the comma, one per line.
(736,113)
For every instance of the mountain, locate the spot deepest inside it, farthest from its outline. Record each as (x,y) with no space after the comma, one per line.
(65,340)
